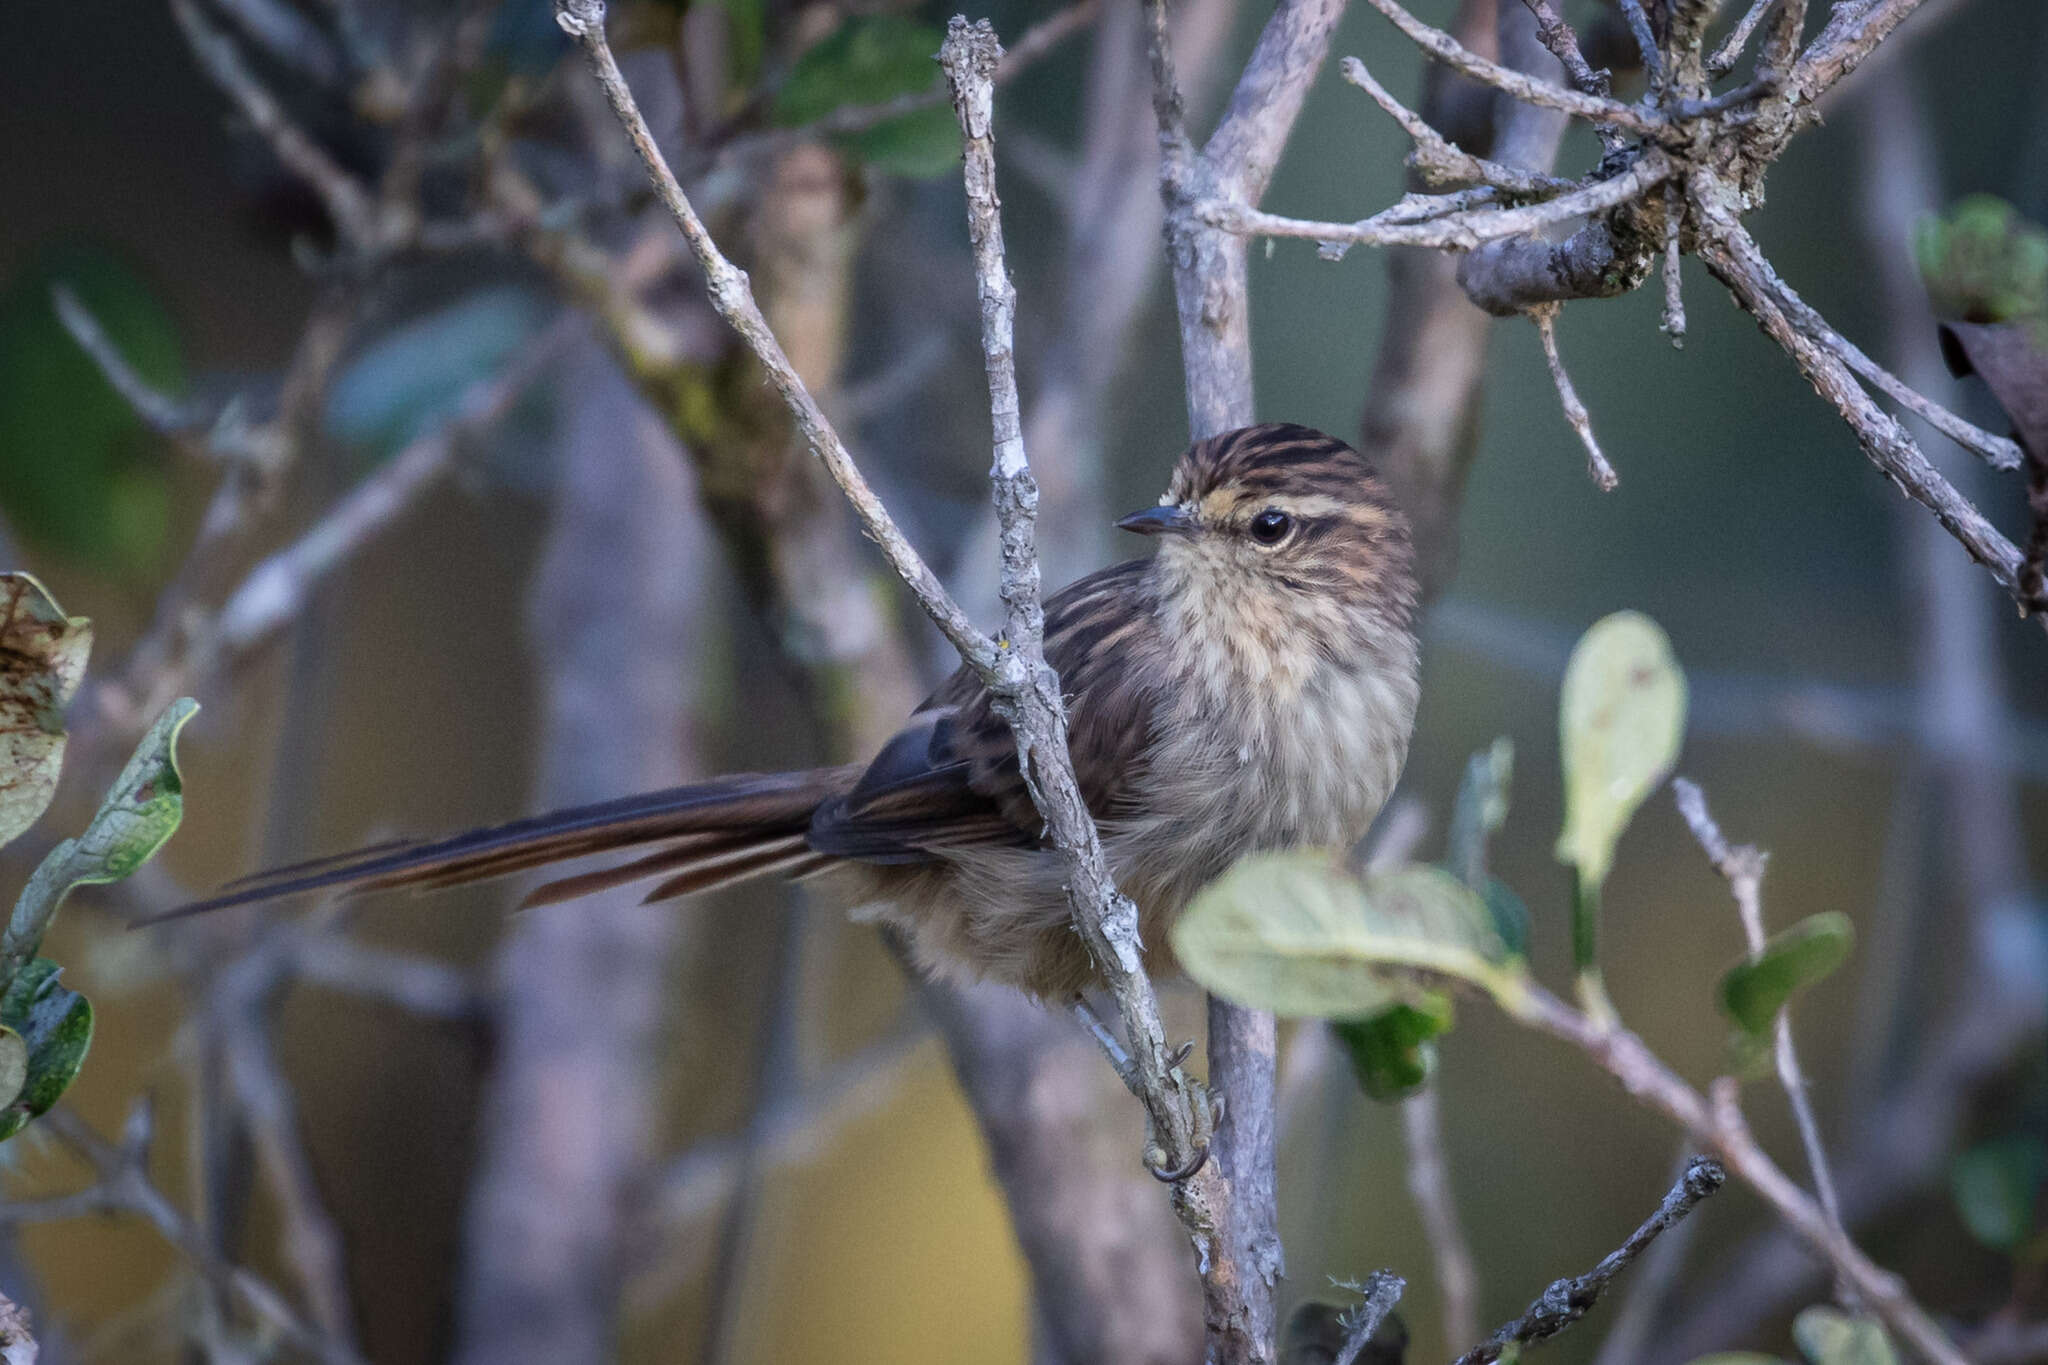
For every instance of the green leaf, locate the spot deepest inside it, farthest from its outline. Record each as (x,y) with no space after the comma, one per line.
(1392,1053)
(42,661)
(1997,1186)
(1621,717)
(409,378)
(1753,992)
(13,1065)
(1480,810)
(78,473)
(54,1025)
(1829,1336)
(868,61)
(1982,262)
(1510,915)
(140,812)
(1294,933)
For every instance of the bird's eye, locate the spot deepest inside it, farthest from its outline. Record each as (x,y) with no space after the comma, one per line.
(1271,526)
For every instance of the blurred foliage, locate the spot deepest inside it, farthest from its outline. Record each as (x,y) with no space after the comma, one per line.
(1620,720)
(1753,991)
(45,1029)
(1997,1191)
(411,377)
(1825,1336)
(76,474)
(1297,934)
(866,62)
(1828,1336)
(1983,262)
(1390,1052)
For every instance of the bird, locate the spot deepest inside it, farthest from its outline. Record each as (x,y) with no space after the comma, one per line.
(1251,686)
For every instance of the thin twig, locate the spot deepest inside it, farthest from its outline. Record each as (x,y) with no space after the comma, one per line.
(1379,1294)
(122,1185)
(1716,1122)
(1461,231)
(1563,42)
(1743,867)
(1850,36)
(1733,255)
(1646,44)
(277,589)
(1037,42)
(1441,161)
(1528,89)
(348,203)
(1030,698)
(160,412)
(1566,1301)
(1429,1185)
(1545,318)
(1635,1321)
(1673,323)
(1997,451)
(1730,52)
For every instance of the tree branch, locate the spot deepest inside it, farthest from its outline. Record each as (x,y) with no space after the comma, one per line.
(1566,1301)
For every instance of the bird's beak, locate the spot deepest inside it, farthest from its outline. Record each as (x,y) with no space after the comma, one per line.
(1159,521)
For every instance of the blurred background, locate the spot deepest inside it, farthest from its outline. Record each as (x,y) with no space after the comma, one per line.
(732,1130)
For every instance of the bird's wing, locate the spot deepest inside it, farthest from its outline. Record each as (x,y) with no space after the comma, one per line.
(950,778)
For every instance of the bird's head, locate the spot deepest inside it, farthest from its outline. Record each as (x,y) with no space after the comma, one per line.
(1285,521)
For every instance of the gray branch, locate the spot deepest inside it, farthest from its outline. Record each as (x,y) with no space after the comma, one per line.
(1566,1301)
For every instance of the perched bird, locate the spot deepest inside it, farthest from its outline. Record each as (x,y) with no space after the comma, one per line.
(1250,686)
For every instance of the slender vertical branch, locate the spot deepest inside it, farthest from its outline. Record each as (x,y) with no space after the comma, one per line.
(1429,1185)
(1743,867)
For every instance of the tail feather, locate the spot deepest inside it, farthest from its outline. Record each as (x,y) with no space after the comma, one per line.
(792,862)
(718,832)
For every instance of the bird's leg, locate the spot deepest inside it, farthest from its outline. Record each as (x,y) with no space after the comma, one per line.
(1208,1105)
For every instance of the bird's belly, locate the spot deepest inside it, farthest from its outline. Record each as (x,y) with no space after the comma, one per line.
(1283,772)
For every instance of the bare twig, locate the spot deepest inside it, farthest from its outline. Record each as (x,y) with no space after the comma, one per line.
(122,1185)
(1379,1294)
(1566,1301)
(1563,42)
(1743,868)
(1717,1124)
(1440,160)
(1635,1321)
(1545,318)
(351,206)
(1730,52)
(1646,44)
(1673,323)
(1037,42)
(160,412)
(413,984)
(277,589)
(1429,1185)
(1461,231)
(1733,256)
(1997,451)
(1851,35)
(1029,696)
(1528,89)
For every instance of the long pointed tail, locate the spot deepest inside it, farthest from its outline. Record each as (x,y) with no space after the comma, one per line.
(710,834)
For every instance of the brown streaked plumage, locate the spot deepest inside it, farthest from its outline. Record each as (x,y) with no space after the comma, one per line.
(1251,686)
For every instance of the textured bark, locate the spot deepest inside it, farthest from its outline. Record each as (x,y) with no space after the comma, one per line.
(567,1123)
